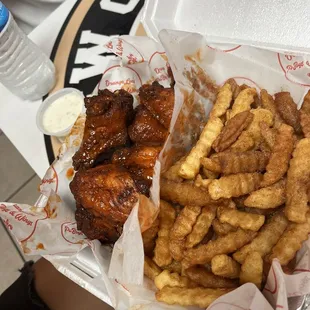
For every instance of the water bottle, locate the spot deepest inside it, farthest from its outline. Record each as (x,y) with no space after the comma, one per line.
(24,69)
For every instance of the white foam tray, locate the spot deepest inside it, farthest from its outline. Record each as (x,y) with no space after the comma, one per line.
(281,25)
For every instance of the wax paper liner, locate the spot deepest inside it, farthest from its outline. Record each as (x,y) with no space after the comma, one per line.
(49,227)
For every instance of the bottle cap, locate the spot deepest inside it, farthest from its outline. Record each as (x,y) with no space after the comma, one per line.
(4,16)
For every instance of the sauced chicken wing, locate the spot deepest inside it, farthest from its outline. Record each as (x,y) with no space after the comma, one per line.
(159,101)
(106,123)
(146,129)
(109,193)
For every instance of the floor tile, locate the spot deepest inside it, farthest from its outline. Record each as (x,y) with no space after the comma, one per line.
(14,170)
(28,195)
(10,260)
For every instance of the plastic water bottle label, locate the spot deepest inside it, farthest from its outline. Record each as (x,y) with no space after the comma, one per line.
(4,16)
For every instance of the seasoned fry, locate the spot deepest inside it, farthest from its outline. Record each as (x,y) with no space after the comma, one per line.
(210,174)
(207,279)
(280,156)
(200,297)
(190,168)
(222,229)
(266,238)
(211,164)
(203,183)
(172,173)
(235,88)
(165,278)
(241,219)
(151,270)
(232,130)
(201,227)
(291,241)
(222,245)
(244,143)
(232,163)
(224,266)
(265,212)
(243,101)
(234,185)
(269,104)
(305,115)
(222,102)
(167,215)
(252,269)
(288,110)
(297,183)
(268,134)
(184,193)
(267,197)
(181,228)
(149,236)
(174,267)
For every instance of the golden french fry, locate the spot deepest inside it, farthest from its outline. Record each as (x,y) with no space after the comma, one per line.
(268,134)
(305,115)
(234,185)
(232,130)
(184,193)
(266,238)
(241,219)
(252,269)
(244,143)
(280,156)
(190,168)
(201,227)
(207,279)
(210,174)
(297,183)
(203,183)
(224,266)
(174,267)
(167,215)
(288,110)
(181,228)
(232,163)
(243,101)
(267,197)
(291,241)
(200,297)
(229,243)
(172,173)
(235,88)
(269,104)
(211,164)
(222,229)
(165,278)
(149,236)
(151,270)
(222,102)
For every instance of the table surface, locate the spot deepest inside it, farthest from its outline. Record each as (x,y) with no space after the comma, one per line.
(18,117)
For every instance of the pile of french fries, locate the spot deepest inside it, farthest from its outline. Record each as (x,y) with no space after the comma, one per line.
(238,200)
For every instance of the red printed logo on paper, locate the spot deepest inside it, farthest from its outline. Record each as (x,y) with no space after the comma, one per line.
(71,234)
(159,65)
(50,181)
(227,48)
(295,68)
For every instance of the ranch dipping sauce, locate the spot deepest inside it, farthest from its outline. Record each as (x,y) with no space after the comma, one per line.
(62,113)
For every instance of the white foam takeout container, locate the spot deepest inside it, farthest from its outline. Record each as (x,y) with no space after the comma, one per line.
(281,25)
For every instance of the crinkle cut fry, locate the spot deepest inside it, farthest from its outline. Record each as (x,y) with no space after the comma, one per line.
(280,156)
(297,183)
(190,168)
(234,185)
(166,278)
(222,245)
(268,134)
(223,100)
(243,101)
(305,115)
(167,215)
(224,266)
(200,297)
(151,270)
(149,236)
(222,229)
(291,241)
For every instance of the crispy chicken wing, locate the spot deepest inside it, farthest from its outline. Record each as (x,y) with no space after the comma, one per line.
(146,129)
(159,101)
(106,123)
(109,193)
(140,161)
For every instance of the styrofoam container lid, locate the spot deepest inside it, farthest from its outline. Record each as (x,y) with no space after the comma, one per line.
(281,25)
